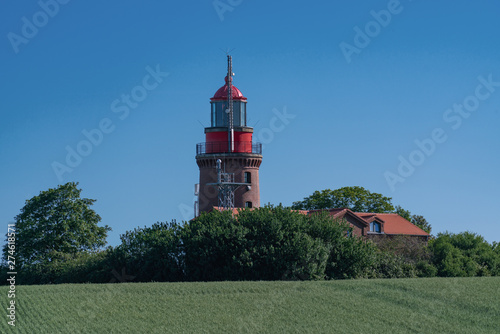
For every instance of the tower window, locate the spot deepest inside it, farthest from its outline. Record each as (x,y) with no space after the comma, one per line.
(214,115)
(248,177)
(248,204)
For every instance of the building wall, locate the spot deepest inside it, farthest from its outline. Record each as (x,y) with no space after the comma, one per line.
(375,237)
(358,228)
(237,163)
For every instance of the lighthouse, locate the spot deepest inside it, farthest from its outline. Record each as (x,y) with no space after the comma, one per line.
(228,160)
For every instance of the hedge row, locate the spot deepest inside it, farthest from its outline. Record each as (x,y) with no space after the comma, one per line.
(270,243)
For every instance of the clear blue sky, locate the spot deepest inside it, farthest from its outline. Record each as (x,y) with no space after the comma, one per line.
(355,116)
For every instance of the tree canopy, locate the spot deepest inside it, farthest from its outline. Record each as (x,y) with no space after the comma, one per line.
(421,222)
(357,199)
(464,254)
(272,243)
(403,213)
(267,243)
(55,223)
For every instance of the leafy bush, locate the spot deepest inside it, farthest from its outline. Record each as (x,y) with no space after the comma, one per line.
(351,257)
(68,268)
(388,265)
(464,254)
(411,249)
(260,244)
(150,253)
(272,243)
(426,269)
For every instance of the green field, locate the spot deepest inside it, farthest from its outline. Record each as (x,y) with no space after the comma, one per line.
(433,305)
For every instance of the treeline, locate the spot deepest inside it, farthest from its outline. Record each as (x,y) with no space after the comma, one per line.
(270,243)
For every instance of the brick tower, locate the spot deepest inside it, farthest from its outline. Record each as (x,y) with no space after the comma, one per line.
(229,140)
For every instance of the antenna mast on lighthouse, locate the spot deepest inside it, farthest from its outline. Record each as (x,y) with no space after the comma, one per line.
(230,131)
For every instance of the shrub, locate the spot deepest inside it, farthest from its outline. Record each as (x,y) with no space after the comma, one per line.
(68,268)
(426,269)
(464,254)
(150,253)
(388,265)
(410,248)
(271,243)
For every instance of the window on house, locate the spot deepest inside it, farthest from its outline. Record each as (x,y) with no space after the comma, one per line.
(248,204)
(248,177)
(375,227)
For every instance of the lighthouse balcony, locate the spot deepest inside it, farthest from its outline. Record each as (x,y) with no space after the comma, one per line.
(223,147)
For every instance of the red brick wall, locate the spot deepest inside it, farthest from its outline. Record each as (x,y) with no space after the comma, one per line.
(358,228)
(237,164)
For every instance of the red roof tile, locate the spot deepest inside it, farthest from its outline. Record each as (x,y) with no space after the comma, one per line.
(395,224)
(341,213)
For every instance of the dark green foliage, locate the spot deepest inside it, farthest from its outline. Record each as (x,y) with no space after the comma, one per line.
(261,244)
(269,243)
(358,199)
(388,265)
(56,222)
(411,249)
(403,256)
(351,257)
(406,214)
(464,254)
(426,269)
(69,268)
(209,244)
(151,253)
(421,222)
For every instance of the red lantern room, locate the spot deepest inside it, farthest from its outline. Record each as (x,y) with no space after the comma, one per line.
(217,139)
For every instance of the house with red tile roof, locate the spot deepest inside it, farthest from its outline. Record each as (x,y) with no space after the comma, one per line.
(374,225)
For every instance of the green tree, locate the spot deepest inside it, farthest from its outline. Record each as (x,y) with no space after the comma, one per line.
(152,253)
(272,243)
(56,222)
(416,220)
(421,222)
(464,254)
(356,198)
(403,213)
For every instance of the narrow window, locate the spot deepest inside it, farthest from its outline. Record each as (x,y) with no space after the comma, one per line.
(248,204)
(248,177)
(236,113)
(214,115)
(375,227)
(243,114)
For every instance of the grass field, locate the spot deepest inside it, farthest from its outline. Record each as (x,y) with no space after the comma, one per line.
(434,305)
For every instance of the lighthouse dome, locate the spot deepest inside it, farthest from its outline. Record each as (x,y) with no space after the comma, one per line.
(221,94)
